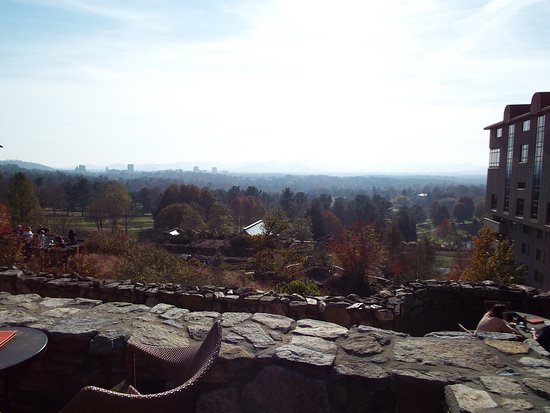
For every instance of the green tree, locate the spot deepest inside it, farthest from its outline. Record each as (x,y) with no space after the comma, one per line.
(468,203)
(460,213)
(112,202)
(492,259)
(406,224)
(220,221)
(23,201)
(78,195)
(276,223)
(418,261)
(181,216)
(360,253)
(300,229)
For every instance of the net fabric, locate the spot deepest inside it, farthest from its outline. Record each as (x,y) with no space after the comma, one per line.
(186,366)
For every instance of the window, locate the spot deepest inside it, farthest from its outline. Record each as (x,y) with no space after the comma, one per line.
(539,277)
(537,168)
(540,234)
(508,167)
(494,158)
(539,255)
(494,202)
(526,229)
(499,133)
(523,155)
(520,205)
(526,125)
(524,248)
(548,213)
(521,185)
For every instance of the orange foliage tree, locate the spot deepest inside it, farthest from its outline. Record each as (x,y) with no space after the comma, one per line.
(360,253)
(5,227)
(492,259)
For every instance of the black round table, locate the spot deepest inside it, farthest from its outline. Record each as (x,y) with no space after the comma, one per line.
(24,346)
(27,343)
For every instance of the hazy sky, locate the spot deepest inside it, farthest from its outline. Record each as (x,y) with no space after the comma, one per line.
(343,86)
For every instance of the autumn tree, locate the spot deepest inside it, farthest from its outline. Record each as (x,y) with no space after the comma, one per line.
(247,209)
(360,253)
(440,215)
(5,224)
(492,259)
(10,250)
(23,201)
(176,194)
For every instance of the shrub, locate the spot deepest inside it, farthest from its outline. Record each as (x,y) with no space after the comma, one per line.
(11,250)
(242,241)
(301,286)
(108,243)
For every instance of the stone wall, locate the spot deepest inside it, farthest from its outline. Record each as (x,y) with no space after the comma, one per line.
(273,363)
(416,308)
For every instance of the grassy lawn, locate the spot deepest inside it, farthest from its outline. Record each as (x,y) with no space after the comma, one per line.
(60,222)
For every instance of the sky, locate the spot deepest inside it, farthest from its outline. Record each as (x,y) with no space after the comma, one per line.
(346,86)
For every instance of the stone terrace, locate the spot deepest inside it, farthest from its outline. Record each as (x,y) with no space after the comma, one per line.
(416,308)
(273,363)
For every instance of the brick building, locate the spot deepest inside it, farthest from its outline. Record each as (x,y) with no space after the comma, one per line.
(518,184)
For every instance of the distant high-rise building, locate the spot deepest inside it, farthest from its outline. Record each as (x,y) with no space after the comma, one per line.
(131,168)
(81,169)
(214,170)
(196,169)
(518,184)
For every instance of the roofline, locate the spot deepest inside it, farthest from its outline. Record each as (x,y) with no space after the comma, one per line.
(525,115)
(524,111)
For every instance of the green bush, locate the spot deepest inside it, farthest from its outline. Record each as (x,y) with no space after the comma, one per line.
(301,286)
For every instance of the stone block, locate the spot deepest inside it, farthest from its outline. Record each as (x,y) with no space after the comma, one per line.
(463,399)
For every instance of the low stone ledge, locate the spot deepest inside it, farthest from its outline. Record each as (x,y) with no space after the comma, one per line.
(270,362)
(416,307)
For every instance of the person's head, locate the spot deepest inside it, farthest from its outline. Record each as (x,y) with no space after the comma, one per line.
(497,310)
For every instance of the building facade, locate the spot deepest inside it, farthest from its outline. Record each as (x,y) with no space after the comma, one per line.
(518,184)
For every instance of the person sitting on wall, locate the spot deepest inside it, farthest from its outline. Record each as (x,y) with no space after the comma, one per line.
(493,321)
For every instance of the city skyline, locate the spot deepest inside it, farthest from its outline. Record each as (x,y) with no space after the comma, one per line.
(335,87)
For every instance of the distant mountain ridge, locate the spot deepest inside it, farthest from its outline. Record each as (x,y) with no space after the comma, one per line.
(27,165)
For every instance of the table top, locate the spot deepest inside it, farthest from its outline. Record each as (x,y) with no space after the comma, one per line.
(524,326)
(27,343)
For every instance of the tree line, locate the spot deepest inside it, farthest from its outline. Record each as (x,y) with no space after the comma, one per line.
(370,232)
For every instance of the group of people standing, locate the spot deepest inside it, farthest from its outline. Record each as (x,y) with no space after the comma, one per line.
(39,239)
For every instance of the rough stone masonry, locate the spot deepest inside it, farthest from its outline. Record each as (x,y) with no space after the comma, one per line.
(273,363)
